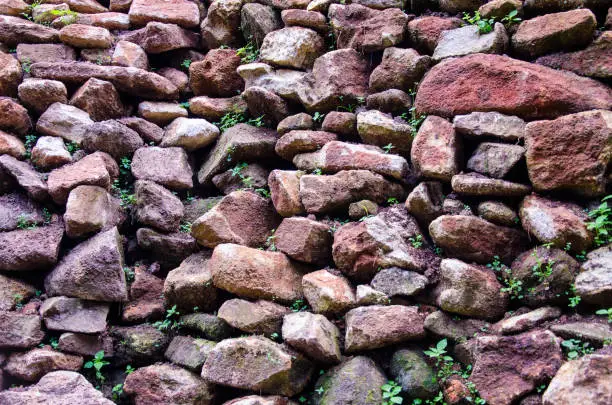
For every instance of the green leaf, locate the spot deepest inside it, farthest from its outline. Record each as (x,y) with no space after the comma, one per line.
(442,344)
(397,400)
(89,364)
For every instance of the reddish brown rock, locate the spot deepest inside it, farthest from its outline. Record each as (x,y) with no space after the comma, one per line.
(85,345)
(31,249)
(65,121)
(129,54)
(16,30)
(164,383)
(251,176)
(213,109)
(425,201)
(595,61)
(328,293)
(190,284)
(424,32)
(13,292)
(148,131)
(391,101)
(336,156)
(10,75)
(342,123)
(93,270)
(156,206)
(554,32)
(242,217)
(25,176)
(321,193)
(169,249)
(90,209)
(365,29)
(506,368)
(91,170)
(300,121)
(570,153)
(99,99)
(158,38)
(57,387)
(215,75)
(39,94)
(474,239)
(166,166)
(304,240)
(74,315)
(437,150)
(337,78)
(304,18)
(146,293)
(470,290)
(274,369)
(251,273)
(259,317)
(399,69)
(266,104)
(556,222)
(182,12)
(134,81)
(32,365)
(14,117)
(475,184)
(86,36)
(13,7)
(285,192)
(402,324)
(361,248)
(45,53)
(113,138)
(498,83)
(301,141)
(20,331)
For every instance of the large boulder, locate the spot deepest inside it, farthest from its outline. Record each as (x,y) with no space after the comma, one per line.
(554,32)
(135,81)
(325,193)
(252,273)
(93,270)
(483,82)
(470,290)
(356,381)
(362,248)
(31,249)
(506,368)
(164,383)
(272,368)
(292,47)
(335,156)
(570,153)
(556,222)
(337,78)
(475,239)
(242,217)
(365,29)
(584,379)
(57,388)
(363,331)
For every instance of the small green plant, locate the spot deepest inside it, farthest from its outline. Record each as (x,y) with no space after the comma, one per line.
(392,201)
(275,336)
(24,222)
(263,192)
(575,348)
(71,16)
(18,298)
(248,53)
(53,342)
(236,117)
(391,393)
(129,274)
(416,241)
(170,322)
(12,50)
(299,305)
(601,224)
(185,105)
(97,363)
(438,353)
(26,65)
(117,392)
(605,312)
(574,299)
(413,119)
(185,227)
(485,25)
(511,18)
(270,241)
(541,270)
(129,369)
(317,172)
(72,147)
(387,148)
(186,63)
(29,143)
(318,117)
(512,285)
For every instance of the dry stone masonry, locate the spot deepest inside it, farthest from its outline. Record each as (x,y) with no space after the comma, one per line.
(306,202)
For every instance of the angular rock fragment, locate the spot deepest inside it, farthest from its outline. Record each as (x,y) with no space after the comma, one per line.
(273,369)
(113,138)
(181,12)
(257,20)
(20,331)
(39,94)
(161,113)
(399,69)
(85,36)
(25,176)
(169,249)
(377,128)
(93,270)
(402,324)
(285,192)
(129,54)
(222,24)
(304,240)
(297,142)
(495,159)
(90,170)
(251,273)
(207,325)
(529,320)
(65,121)
(139,344)
(189,133)
(292,47)
(425,31)
(215,75)
(16,30)
(99,99)
(437,151)
(594,283)
(485,124)
(395,281)
(166,166)
(146,293)
(410,369)
(328,293)
(50,152)
(259,317)
(467,40)
(313,335)
(31,249)
(425,201)
(156,206)
(498,213)
(74,315)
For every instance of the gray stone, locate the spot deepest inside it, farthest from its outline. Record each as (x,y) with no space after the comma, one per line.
(466,40)
(74,315)
(484,124)
(313,335)
(395,281)
(495,159)
(594,282)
